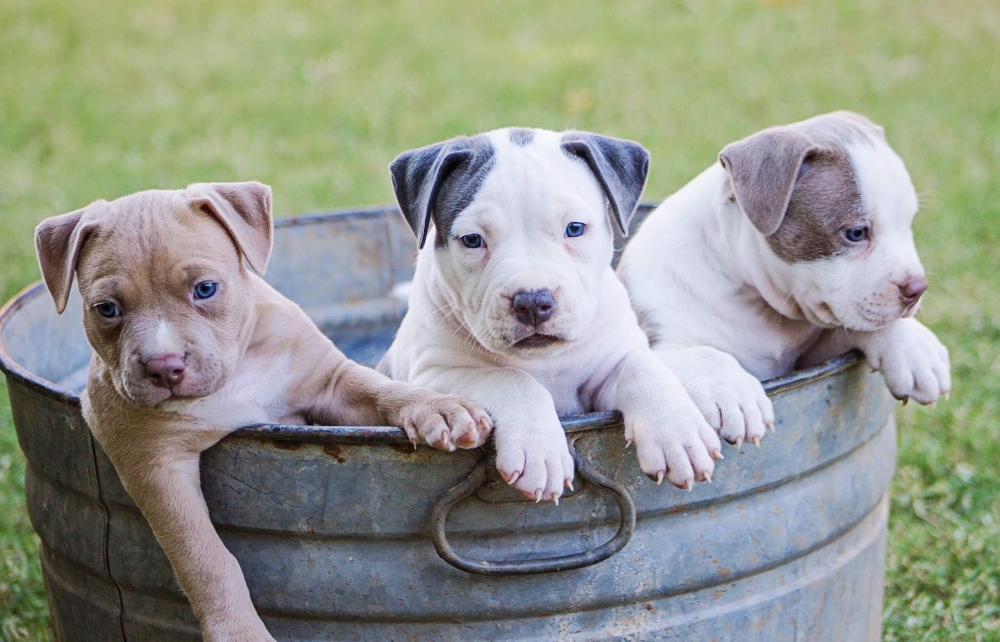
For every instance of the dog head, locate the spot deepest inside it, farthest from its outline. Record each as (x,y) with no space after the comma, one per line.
(167,302)
(520,221)
(835,205)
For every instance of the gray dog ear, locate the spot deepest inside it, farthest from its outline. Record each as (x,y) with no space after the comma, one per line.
(58,241)
(244,209)
(763,168)
(417,177)
(620,167)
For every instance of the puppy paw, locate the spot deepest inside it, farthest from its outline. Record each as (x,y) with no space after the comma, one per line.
(677,444)
(913,362)
(445,422)
(733,402)
(535,462)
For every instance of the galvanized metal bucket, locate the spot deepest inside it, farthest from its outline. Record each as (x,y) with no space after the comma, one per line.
(343,532)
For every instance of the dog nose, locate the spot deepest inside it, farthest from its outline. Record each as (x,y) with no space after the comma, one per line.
(165,371)
(912,288)
(533,307)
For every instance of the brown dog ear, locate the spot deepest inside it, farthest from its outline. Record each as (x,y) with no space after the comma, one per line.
(763,168)
(58,241)
(244,209)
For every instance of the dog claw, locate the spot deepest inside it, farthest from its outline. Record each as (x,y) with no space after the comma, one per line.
(538,496)
(945,395)
(717,455)
(689,485)
(513,478)
(628,443)
(708,477)
(770,426)
(569,485)
(659,478)
(905,400)
(756,441)
(934,404)
(555,500)
(739,443)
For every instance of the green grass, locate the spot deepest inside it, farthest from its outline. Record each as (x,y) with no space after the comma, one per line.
(99,99)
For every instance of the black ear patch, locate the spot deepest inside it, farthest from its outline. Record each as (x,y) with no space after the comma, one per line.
(620,167)
(437,182)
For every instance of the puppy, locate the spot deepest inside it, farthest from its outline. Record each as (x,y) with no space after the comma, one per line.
(794,248)
(515,305)
(189,345)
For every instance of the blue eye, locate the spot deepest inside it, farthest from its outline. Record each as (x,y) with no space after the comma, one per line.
(856,234)
(205,289)
(108,309)
(575,229)
(472,241)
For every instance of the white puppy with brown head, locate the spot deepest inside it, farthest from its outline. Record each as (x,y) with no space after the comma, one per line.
(795,247)
(190,345)
(515,305)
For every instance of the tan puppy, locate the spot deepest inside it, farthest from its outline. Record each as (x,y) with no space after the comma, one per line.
(189,345)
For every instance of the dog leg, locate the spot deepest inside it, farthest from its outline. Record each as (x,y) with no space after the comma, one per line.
(731,399)
(532,454)
(356,395)
(162,477)
(913,361)
(672,439)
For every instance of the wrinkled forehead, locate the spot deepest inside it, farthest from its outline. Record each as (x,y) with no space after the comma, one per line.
(146,236)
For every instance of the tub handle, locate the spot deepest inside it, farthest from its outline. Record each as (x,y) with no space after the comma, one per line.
(439,517)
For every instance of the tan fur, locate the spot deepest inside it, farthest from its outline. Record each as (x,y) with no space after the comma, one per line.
(250,355)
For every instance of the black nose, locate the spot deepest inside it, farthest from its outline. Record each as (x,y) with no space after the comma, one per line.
(533,307)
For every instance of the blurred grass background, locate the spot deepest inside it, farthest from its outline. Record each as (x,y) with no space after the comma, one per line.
(99,99)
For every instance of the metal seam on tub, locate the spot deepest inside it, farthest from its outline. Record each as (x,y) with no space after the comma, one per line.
(106,511)
(601,605)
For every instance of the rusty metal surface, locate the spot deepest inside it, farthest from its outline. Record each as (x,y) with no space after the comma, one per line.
(330,524)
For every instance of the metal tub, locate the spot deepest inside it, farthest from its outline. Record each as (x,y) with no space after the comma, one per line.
(333,526)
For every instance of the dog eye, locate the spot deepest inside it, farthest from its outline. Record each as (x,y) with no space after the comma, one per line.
(108,309)
(856,234)
(575,229)
(472,241)
(205,289)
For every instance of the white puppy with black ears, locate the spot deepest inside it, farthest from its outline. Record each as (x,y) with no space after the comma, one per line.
(515,304)
(796,247)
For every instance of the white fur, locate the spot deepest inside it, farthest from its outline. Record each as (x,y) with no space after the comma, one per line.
(459,333)
(721,306)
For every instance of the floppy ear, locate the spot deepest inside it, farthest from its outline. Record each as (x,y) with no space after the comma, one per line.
(418,174)
(58,241)
(244,209)
(620,167)
(763,168)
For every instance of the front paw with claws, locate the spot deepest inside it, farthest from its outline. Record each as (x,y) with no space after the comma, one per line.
(912,360)
(678,446)
(535,462)
(445,422)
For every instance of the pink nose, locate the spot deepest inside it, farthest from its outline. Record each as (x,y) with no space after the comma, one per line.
(912,288)
(166,370)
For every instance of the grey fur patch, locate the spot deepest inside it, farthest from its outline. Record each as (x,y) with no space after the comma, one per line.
(459,188)
(521,136)
(797,185)
(826,199)
(437,182)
